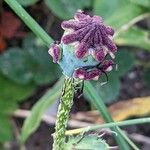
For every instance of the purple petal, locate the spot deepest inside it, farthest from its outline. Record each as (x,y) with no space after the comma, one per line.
(79,15)
(107,65)
(93,74)
(74,36)
(97,19)
(109,44)
(109,30)
(72,24)
(69,38)
(81,50)
(83,32)
(80,73)
(54,51)
(100,55)
(97,39)
(88,38)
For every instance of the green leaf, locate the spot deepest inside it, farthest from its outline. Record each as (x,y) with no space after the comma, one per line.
(115,12)
(15,65)
(44,70)
(7,106)
(145,3)
(100,7)
(109,91)
(33,121)
(87,142)
(124,60)
(5,129)
(123,15)
(134,36)
(66,8)
(11,93)
(27,2)
(31,41)
(147,77)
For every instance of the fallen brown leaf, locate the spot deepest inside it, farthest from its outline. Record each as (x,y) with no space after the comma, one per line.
(119,111)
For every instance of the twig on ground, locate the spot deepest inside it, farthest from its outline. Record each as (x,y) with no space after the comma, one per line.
(50,120)
(140,138)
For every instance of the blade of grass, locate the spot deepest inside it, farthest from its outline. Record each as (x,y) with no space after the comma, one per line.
(95,99)
(127,139)
(109,125)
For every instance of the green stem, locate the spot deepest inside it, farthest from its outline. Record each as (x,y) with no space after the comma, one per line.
(120,123)
(107,117)
(109,125)
(127,139)
(29,21)
(66,102)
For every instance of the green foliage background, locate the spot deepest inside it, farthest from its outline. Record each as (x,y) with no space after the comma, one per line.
(24,68)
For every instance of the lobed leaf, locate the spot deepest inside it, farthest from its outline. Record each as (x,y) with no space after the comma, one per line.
(66,8)
(15,64)
(44,70)
(16,92)
(87,142)
(31,63)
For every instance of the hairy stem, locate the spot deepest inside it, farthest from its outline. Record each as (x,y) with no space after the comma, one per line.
(66,102)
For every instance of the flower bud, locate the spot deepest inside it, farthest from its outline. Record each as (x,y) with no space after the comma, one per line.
(84,46)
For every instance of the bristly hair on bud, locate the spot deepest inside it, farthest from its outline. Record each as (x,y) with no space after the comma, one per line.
(86,42)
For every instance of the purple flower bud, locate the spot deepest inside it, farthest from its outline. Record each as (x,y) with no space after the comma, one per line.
(84,46)
(93,74)
(79,15)
(107,65)
(80,73)
(54,51)
(88,30)
(100,55)
(109,30)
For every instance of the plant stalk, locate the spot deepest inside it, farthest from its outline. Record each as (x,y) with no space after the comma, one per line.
(108,125)
(66,102)
(107,117)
